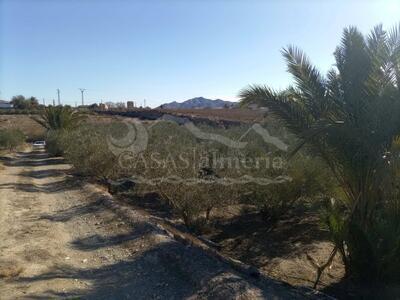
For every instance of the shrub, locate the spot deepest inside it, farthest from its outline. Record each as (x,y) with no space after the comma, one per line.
(188,174)
(87,150)
(309,181)
(195,202)
(54,142)
(20,102)
(175,175)
(10,139)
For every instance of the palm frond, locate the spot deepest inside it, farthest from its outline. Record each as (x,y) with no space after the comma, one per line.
(59,118)
(281,104)
(394,46)
(308,80)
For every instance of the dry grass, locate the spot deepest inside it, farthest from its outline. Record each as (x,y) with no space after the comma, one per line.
(34,131)
(234,114)
(102,119)
(10,269)
(24,123)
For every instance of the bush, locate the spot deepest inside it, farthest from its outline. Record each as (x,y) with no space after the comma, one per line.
(20,102)
(188,173)
(10,139)
(87,150)
(13,111)
(375,253)
(309,181)
(194,203)
(54,142)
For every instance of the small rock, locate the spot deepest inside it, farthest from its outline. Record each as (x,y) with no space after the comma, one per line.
(67,258)
(84,260)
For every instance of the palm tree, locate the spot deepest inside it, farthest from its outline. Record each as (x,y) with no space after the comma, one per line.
(349,118)
(59,118)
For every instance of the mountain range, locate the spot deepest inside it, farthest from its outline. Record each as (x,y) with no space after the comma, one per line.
(198,102)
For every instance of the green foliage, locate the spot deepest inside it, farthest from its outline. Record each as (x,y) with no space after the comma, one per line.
(309,181)
(10,139)
(20,102)
(59,118)
(87,150)
(348,118)
(7,111)
(176,165)
(54,141)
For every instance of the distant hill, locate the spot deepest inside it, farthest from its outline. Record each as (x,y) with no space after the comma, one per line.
(198,102)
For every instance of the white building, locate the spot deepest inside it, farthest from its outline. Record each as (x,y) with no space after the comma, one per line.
(5,104)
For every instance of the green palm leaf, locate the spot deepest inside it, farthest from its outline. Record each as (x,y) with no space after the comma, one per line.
(349,118)
(59,118)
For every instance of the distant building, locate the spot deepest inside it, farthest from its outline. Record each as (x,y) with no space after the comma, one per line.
(120,105)
(93,106)
(130,105)
(103,106)
(6,104)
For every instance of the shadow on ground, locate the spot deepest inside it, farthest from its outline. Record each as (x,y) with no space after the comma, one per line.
(169,271)
(74,212)
(52,187)
(97,241)
(39,174)
(150,202)
(346,289)
(249,238)
(32,159)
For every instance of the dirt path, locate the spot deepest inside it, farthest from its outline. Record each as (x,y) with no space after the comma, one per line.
(57,241)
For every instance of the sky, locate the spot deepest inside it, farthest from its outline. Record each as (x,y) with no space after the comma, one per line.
(167,50)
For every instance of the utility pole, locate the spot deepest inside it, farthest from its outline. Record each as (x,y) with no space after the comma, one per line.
(58,96)
(83,101)
(144,103)
(44,102)
(54,102)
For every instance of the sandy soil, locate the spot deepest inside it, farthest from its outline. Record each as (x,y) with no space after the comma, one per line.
(25,123)
(58,241)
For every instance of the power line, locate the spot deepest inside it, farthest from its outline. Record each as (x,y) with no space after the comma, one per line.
(58,97)
(82,90)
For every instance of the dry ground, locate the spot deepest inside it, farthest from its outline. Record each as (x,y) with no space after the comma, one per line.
(233,114)
(277,250)
(25,123)
(58,241)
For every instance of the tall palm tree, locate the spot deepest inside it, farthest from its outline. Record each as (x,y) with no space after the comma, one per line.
(59,118)
(349,118)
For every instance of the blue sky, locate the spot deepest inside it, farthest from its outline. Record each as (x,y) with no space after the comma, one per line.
(167,50)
